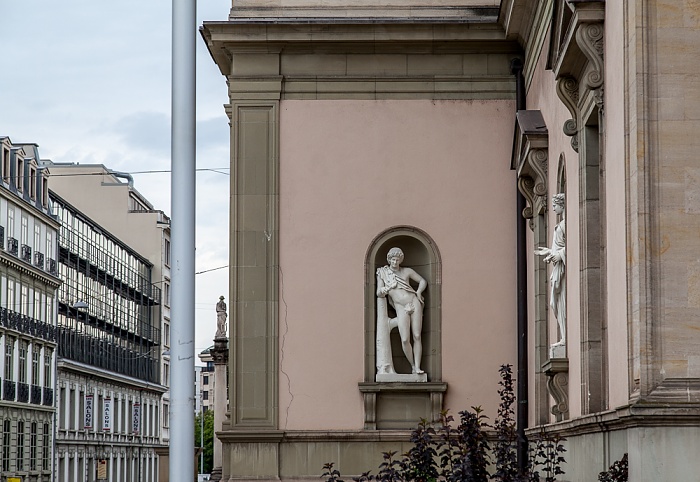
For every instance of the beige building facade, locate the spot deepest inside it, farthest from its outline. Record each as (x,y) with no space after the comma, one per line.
(355,128)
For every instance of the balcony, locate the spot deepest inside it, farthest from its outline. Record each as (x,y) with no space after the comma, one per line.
(35,397)
(48,397)
(109,356)
(27,325)
(26,253)
(12,246)
(8,390)
(2,237)
(39,260)
(53,267)
(22,392)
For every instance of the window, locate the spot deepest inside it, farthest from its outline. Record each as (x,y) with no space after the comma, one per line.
(35,364)
(19,173)
(11,300)
(33,442)
(45,190)
(25,230)
(205,395)
(205,380)
(166,374)
(5,164)
(9,357)
(32,182)
(22,361)
(6,433)
(166,333)
(166,252)
(10,222)
(49,245)
(20,445)
(48,355)
(166,415)
(46,451)
(166,293)
(37,236)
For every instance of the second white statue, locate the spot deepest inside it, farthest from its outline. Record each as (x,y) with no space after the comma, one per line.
(394,286)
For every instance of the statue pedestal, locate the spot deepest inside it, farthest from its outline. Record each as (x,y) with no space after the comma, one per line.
(220,356)
(557,351)
(401,377)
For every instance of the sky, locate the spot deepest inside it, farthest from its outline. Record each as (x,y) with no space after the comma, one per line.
(89,82)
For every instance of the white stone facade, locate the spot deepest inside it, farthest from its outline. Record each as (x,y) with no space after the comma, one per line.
(28,282)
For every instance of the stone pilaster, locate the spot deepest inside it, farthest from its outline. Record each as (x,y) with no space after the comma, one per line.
(220,356)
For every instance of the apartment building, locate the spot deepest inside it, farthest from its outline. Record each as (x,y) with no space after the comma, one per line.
(28,283)
(109,376)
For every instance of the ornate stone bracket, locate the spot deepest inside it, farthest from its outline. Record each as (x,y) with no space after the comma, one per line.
(557,372)
(579,63)
(531,159)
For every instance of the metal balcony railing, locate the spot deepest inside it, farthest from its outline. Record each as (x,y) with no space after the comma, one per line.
(25,324)
(53,267)
(8,390)
(26,253)
(2,237)
(12,246)
(39,260)
(48,396)
(22,392)
(35,395)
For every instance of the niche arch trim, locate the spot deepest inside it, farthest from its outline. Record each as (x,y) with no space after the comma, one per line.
(422,254)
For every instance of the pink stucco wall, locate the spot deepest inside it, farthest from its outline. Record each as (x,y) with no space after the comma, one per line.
(351,169)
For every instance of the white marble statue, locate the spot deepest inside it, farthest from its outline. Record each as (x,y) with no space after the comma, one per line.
(557,256)
(394,286)
(221,318)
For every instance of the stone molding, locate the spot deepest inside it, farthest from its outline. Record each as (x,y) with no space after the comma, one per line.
(372,393)
(348,59)
(630,416)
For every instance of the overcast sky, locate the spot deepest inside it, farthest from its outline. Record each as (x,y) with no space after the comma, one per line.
(89,81)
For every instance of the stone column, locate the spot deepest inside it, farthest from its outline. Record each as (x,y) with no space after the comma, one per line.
(220,356)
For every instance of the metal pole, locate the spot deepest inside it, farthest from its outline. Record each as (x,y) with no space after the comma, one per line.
(184,30)
(201,435)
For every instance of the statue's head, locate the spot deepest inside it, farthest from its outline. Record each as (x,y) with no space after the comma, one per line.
(395,253)
(221,298)
(559,200)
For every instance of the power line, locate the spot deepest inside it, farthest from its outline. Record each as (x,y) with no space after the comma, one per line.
(212,269)
(218,170)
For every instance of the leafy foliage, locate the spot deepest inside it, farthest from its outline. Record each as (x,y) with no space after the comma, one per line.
(618,471)
(443,452)
(504,451)
(208,438)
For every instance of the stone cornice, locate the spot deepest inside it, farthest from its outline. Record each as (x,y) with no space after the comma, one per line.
(350,36)
(30,270)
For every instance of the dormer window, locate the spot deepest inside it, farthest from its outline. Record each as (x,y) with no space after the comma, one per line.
(5,164)
(32,182)
(45,188)
(19,173)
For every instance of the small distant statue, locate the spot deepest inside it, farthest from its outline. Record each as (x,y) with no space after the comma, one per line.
(393,284)
(221,318)
(557,256)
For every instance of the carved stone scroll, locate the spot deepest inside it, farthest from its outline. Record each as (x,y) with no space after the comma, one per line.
(557,372)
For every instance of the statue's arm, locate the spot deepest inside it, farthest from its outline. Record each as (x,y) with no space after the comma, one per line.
(381,291)
(422,284)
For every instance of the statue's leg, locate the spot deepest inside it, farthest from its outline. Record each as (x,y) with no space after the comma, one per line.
(416,328)
(405,332)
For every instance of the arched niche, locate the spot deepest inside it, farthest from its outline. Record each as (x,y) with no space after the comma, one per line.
(422,255)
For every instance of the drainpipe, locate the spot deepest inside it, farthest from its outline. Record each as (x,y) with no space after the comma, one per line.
(129,178)
(516,68)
